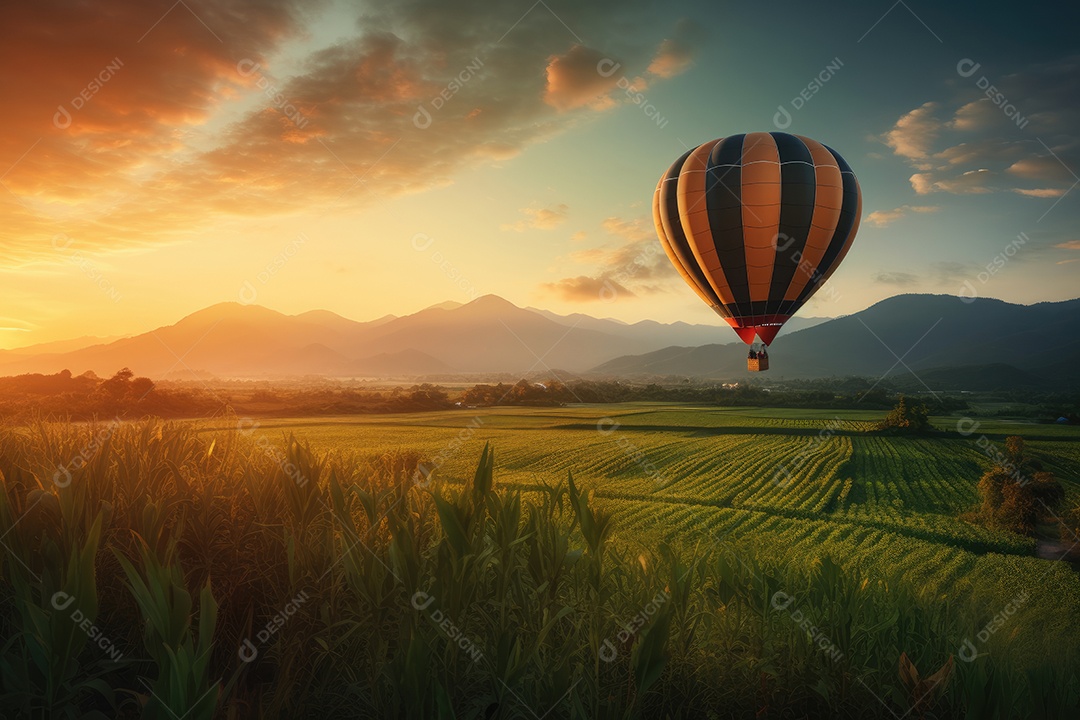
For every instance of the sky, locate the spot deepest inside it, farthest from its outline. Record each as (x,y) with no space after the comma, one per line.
(374,158)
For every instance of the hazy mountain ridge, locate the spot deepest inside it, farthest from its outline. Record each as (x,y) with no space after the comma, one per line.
(930,333)
(487,335)
(934,334)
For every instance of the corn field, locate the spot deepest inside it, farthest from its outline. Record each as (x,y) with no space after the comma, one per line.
(171,570)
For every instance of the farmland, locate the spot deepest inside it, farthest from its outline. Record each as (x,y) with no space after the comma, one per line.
(806,481)
(806,465)
(702,562)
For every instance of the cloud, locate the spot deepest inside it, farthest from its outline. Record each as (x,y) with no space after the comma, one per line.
(1040,192)
(948,272)
(633,230)
(1069,245)
(587,289)
(116,93)
(901,279)
(207,117)
(970,182)
(579,236)
(914,133)
(1020,141)
(542,219)
(881,218)
(576,79)
(671,59)
(637,264)
(676,53)
(1043,167)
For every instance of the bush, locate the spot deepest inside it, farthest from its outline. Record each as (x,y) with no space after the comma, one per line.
(907,417)
(1016,492)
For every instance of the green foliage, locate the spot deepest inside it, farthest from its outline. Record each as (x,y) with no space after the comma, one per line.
(907,417)
(1016,492)
(182,686)
(503,590)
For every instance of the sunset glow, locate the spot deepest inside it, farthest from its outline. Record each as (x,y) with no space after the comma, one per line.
(379,158)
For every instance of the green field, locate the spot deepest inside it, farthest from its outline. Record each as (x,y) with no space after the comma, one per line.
(883,504)
(712,470)
(705,562)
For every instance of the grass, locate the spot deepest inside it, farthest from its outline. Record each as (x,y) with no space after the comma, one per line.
(601,561)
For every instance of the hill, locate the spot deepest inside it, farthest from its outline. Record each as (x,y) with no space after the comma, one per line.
(904,333)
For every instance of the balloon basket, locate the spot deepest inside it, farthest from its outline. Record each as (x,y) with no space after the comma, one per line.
(758,359)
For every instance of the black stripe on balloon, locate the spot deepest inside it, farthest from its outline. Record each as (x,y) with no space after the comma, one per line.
(757,309)
(844,225)
(798,192)
(723,198)
(669,209)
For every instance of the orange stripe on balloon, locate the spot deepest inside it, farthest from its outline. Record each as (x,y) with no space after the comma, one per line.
(760,195)
(663,232)
(828,200)
(848,241)
(694,215)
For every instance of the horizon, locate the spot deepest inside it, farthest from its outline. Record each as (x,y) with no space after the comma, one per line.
(375,160)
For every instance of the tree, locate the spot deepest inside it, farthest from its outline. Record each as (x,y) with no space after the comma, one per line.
(117,386)
(907,417)
(140,387)
(1016,491)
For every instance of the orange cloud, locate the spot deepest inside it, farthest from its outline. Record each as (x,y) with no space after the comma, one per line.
(632,230)
(913,135)
(588,289)
(541,219)
(671,59)
(881,218)
(580,78)
(200,118)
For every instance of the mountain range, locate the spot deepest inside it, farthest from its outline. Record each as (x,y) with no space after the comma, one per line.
(489,336)
(930,337)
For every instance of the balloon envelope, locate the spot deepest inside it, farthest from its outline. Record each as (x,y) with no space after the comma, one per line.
(756,223)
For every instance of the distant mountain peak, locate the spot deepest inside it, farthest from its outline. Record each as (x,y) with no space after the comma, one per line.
(445,305)
(229,311)
(491,301)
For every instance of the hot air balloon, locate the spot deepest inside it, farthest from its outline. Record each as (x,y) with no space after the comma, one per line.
(755,224)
